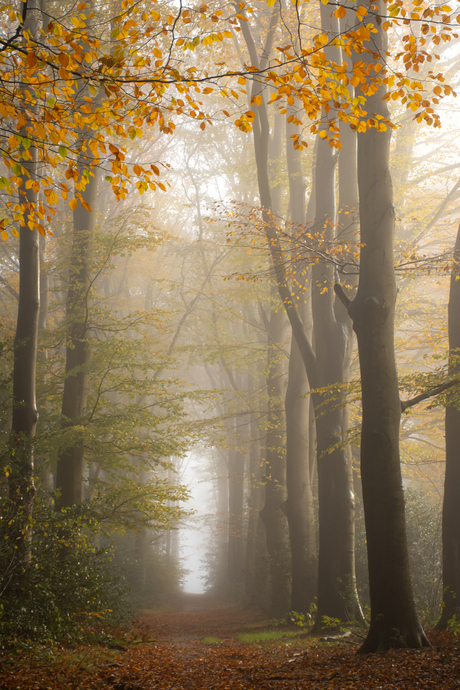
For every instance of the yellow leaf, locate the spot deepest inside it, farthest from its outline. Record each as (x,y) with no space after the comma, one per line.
(73,203)
(259,99)
(4,235)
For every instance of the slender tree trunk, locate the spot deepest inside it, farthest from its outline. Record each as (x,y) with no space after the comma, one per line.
(255,503)
(221,471)
(337,595)
(21,485)
(272,514)
(70,466)
(450,510)
(42,464)
(235,519)
(394,620)
(25,415)
(299,504)
(268,149)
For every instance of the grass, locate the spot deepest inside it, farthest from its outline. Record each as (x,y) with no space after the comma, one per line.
(211,640)
(266,636)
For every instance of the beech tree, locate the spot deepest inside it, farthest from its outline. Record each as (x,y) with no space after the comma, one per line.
(450,521)
(20,469)
(394,620)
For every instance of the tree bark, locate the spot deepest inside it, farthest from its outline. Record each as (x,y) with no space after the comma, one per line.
(25,415)
(274,478)
(255,585)
(70,466)
(450,512)
(21,487)
(337,597)
(299,504)
(394,620)
(235,517)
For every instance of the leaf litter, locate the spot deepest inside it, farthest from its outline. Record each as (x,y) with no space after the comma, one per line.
(170,653)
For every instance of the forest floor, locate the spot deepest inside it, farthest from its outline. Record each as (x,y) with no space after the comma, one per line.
(201,644)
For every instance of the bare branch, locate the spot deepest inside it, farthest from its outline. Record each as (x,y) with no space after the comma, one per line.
(428,394)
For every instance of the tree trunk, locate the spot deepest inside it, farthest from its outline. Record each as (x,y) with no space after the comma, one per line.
(274,479)
(235,518)
(394,620)
(21,487)
(70,466)
(450,511)
(299,504)
(254,584)
(25,415)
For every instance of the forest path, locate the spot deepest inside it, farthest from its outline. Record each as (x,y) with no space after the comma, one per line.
(197,646)
(198,616)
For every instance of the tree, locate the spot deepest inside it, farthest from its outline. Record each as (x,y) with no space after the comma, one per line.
(20,470)
(450,521)
(70,466)
(394,620)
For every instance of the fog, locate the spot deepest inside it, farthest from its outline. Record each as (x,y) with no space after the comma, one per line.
(245,349)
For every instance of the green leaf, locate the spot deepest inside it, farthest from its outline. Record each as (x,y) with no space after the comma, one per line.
(62,151)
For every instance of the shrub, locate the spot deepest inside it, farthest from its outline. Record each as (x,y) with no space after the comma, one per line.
(67,588)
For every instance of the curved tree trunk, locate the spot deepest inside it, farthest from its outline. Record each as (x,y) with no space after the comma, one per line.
(394,620)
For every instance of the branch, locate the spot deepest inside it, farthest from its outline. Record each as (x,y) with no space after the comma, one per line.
(6,44)
(428,394)
(338,289)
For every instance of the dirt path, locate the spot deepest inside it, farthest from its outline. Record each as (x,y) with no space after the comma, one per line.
(199,616)
(176,656)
